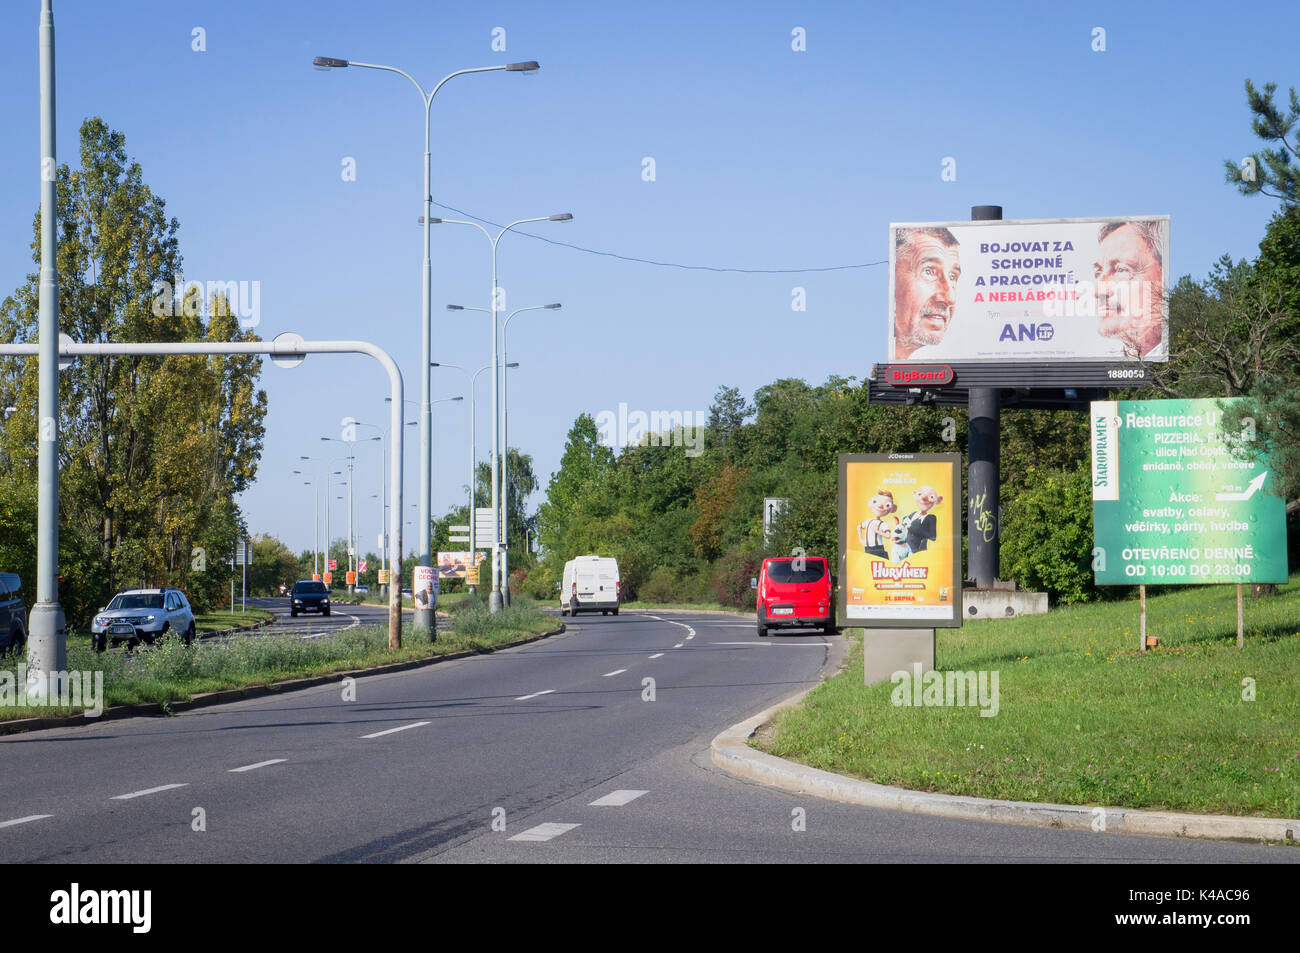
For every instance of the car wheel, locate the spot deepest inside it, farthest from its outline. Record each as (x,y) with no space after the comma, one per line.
(615,612)
(604,612)
(762,629)
(293,613)
(327,611)
(99,642)
(189,635)
(573,607)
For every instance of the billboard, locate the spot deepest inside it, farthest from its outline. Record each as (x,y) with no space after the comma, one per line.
(1084,289)
(424,587)
(1172,503)
(456,565)
(900,539)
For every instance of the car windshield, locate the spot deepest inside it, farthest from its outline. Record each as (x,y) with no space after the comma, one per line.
(782,570)
(137,601)
(308,588)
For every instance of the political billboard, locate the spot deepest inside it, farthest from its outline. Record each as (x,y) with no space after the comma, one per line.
(455,565)
(1176,499)
(900,539)
(1063,290)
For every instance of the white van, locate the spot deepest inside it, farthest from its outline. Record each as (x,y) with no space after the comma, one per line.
(590,583)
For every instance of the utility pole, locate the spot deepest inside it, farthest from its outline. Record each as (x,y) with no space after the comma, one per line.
(982,478)
(47,625)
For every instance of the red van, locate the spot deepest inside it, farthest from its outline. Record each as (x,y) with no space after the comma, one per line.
(796,595)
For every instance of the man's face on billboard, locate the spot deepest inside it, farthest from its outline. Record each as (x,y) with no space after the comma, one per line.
(1129,290)
(925,286)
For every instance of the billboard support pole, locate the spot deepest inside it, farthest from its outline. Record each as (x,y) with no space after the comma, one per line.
(982,477)
(1142,618)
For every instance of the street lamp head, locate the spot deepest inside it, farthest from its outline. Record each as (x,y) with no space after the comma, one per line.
(454,307)
(529,67)
(432,221)
(562,217)
(513,364)
(551,307)
(328,62)
(458,398)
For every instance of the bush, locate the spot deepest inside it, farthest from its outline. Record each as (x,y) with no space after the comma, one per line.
(660,587)
(733,573)
(1047,535)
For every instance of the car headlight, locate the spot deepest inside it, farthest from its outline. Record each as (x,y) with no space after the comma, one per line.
(297,602)
(148,618)
(100,620)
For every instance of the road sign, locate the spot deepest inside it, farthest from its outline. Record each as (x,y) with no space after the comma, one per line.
(458,539)
(361,566)
(351,577)
(485,527)
(471,576)
(1175,499)
(285,341)
(334,564)
(458,529)
(383,577)
(243,553)
(329,579)
(773,507)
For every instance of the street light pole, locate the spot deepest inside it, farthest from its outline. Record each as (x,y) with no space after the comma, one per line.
(473,457)
(47,651)
(495,599)
(505,441)
(424,617)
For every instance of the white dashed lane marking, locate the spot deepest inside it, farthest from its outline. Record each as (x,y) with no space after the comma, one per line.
(617,798)
(617,671)
(678,645)
(658,655)
(524,698)
(260,764)
(389,731)
(161,787)
(25,820)
(545,831)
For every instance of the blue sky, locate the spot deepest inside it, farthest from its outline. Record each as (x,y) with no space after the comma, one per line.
(765,158)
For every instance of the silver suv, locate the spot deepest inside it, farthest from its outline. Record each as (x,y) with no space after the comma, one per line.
(142,615)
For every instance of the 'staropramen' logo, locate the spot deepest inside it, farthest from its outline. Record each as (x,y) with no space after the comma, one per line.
(76,906)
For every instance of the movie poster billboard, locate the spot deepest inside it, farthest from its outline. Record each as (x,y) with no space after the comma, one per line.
(456,565)
(1176,499)
(900,539)
(1066,290)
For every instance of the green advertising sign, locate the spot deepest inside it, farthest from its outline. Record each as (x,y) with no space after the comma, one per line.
(1172,503)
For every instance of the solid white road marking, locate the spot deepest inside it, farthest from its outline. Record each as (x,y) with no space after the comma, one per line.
(389,731)
(524,698)
(678,645)
(161,787)
(616,798)
(252,767)
(617,671)
(811,645)
(545,831)
(657,655)
(25,820)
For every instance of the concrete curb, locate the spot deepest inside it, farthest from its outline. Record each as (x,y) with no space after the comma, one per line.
(731,752)
(206,699)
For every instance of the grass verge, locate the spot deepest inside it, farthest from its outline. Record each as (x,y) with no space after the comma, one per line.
(217,621)
(1083,717)
(171,671)
(687,606)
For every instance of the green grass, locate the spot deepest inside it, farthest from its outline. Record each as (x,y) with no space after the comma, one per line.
(172,671)
(1083,717)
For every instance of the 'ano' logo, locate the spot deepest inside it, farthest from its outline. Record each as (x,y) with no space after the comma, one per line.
(1027,332)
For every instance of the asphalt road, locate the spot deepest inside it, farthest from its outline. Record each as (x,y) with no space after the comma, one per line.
(560,744)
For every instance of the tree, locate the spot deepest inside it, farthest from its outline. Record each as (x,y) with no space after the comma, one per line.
(585,462)
(153,449)
(727,415)
(1272,171)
